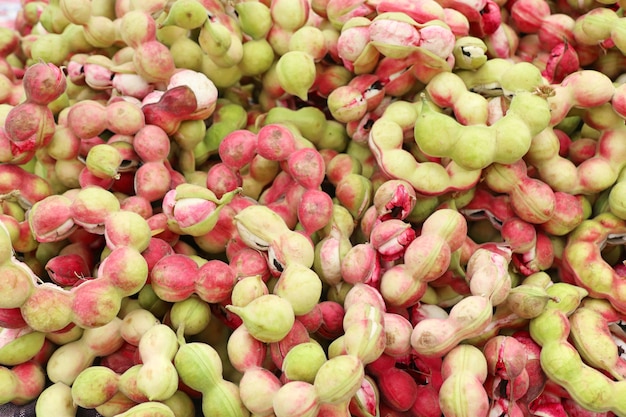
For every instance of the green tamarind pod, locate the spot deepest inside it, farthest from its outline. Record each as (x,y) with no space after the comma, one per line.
(464,370)
(19,345)
(192,314)
(77,12)
(296,73)
(469,53)
(158,378)
(214,38)
(303,361)
(565,299)
(188,14)
(587,386)
(527,301)
(521,76)
(199,365)
(617,197)
(149,409)
(301,286)
(258,57)
(223,399)
(268,318)
(339,378)
(181,404)
(476,147)
(254,18)
(486,79)
(94,386)
(309,121)
(56,400)
(187,54)
(50,47)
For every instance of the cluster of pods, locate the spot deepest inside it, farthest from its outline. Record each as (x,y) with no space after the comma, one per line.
(313,208)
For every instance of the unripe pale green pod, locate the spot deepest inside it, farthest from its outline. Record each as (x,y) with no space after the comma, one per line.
(56,400)
(311,40)
(199,365)
(258,57)
(462,393)
(522,76)
(101,32)
(94,386)
(301,286)
(469,52)
(254,18)
(289,14)
(50,47)
(193,314)
(223,400)
(339,378)
(303,361)
(268,318)
(247,289)
(527,301)
(103,161)
(181,404)
(296,73)
(566,298)
(616,199)
(157,379)
(77,12)
(187,14)
(149,409)
(214,38)
(20,346)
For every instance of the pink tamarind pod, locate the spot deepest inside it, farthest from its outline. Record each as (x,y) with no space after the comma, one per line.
(173,277)
(314,210)
(394,199)
(422,11)
(539,258)
(563,61)
(11,318)
(528,15)
(43,83)
(307,167)
(391,237)
(67,270)
(171,108)
(214,282)
(361,265)
(489,21)
(332,320)
(29,126)
(275,142)
(366,401)
(238,148)
(222,179)
(50,219)
(521,236)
